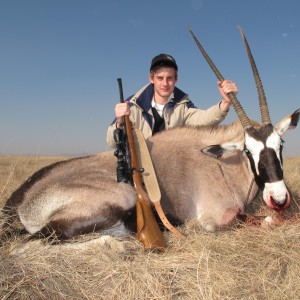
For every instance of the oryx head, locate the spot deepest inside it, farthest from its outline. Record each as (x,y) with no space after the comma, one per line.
(263,144)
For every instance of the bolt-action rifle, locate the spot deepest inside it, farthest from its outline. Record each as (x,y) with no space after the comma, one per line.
(129,170)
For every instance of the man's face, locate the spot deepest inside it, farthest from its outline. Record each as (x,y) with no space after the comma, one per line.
(164,80)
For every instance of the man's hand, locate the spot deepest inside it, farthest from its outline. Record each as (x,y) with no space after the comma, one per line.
(121,110)
(226,87)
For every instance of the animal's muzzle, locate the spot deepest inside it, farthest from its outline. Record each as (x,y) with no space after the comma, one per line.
(276,195)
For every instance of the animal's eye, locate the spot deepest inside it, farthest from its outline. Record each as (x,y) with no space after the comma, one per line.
(282,143)
(246,150)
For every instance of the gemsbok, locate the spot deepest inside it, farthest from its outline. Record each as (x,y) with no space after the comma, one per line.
(208,173)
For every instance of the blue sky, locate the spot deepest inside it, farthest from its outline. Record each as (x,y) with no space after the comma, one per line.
(60,60)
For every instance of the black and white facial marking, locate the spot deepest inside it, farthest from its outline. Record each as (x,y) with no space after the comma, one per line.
(264,149)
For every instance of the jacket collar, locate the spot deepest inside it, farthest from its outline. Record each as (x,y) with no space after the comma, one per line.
(145,98)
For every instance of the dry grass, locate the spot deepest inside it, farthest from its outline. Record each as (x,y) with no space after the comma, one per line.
(241,262)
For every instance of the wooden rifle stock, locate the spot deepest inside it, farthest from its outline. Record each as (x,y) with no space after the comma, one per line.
(148,231)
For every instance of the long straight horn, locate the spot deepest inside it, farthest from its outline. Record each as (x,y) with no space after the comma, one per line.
(265,117)
(236,104)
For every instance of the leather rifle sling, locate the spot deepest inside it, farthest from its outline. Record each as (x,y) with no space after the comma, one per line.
(150,179)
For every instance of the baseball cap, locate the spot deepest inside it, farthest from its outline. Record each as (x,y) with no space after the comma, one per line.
(165,60)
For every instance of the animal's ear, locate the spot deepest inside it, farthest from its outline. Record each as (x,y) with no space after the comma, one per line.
(289,122)
(219,150)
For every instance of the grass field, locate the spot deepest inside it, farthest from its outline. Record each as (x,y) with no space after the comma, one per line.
(239,262)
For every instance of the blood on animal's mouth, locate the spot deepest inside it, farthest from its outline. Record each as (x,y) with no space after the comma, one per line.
(279,206)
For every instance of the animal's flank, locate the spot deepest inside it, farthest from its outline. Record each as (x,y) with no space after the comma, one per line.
(32,180)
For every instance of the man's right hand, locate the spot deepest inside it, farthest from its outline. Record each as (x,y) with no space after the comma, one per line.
(121,110)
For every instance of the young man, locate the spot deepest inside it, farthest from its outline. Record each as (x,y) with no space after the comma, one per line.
(160,105)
